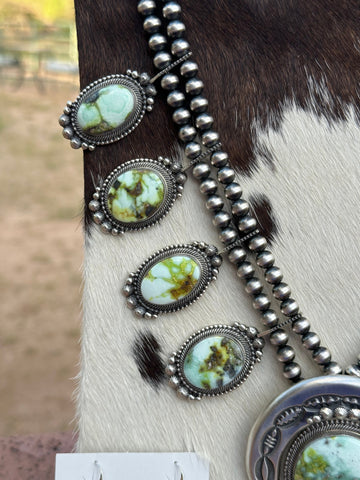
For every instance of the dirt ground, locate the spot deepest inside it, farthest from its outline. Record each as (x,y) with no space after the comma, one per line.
(41,255)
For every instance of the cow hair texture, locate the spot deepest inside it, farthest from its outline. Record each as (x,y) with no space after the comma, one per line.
(282,79)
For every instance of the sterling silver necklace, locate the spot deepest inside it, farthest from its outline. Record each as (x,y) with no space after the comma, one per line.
(314,427)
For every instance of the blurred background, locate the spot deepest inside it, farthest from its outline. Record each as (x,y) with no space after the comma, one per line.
(41,231)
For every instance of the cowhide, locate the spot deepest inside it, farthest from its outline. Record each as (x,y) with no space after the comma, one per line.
(282,79)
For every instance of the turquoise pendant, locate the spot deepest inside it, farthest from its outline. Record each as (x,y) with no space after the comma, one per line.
(107,110)
(312,431)
(137,194)
(172,279)
(215,360)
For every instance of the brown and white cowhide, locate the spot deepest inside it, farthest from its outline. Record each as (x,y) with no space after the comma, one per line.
(282,79)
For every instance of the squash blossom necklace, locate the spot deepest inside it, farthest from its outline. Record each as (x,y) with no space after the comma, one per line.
(313,429)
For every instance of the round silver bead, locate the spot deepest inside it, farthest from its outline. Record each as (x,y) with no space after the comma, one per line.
(354,414)
(127,290)
(341,413)
(194,86)
(281,291)
(150,90)
(301,326)
(169,81)
(353,370)
(289,307)
(237,255)
(221,219)
(210,138)
(201,170)
(322,356)
(75,143)
(180,47)
(265,259)
(233,191)
(228,235)
(245,270)
(292,371)
(144,78)
(162,60)
(181,116)
(171,10)
(326,413)
(187,133)
(131,302)
(157,42)
(226,175)
(257,244)
(68,132)
(253,286)
(214,203)
(199,104)
(311,340)
(106,227)
(332,368)
(175,29)
(175,99)
(174,382)
(98,217)
(270,319)
(170,370)
(261,302)
(64,120)
(192,150)
(279,337)
(240,208)
(152,24)
(219,159)
(204,121)
(139,311)
(189,69)
(247,224)
(146,7)
(94,205)
(181,178)
(182,392)
(216,261)
(285,354)
(259,343)
(208,186)
(273,275)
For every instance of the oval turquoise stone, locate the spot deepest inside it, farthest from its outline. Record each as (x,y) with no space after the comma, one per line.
(213,362)
(170,280)
(330,457)
(135,195)
(107,109)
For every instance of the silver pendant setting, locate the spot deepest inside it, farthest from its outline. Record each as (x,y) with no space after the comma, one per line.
(215,360)
(172,279)
(107,110)
(311,429)
(137,195)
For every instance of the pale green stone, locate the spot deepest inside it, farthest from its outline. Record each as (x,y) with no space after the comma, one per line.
(213,362)
(170,280)
(135,195)
(106,110)
(330,457)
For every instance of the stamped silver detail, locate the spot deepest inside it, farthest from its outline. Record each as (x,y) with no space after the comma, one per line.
(137,194)
(105,123)
(311,413)
(172,278)
(215,360)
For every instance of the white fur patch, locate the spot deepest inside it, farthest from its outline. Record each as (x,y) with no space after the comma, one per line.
(313,188)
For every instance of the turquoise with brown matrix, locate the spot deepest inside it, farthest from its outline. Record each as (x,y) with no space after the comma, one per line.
(105,110)
(135,195)
(170,280)
(213,362)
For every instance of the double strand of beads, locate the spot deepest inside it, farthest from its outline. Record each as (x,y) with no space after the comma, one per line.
(190,114)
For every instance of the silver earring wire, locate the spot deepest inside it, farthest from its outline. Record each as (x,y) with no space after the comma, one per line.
(97,474)
(178,472)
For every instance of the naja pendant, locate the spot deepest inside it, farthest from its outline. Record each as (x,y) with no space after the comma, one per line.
(310,431)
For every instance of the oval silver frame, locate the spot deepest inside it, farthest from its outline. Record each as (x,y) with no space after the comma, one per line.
(143,102)
(245,337)
(169,174)
(205,256)
(316,402)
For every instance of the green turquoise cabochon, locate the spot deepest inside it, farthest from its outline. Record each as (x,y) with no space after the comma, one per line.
(107,110)
(171,279)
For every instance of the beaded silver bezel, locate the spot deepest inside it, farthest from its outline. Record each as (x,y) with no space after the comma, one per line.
(79,138)
(309,410)
(200,252)
(173,186)
(243,336)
